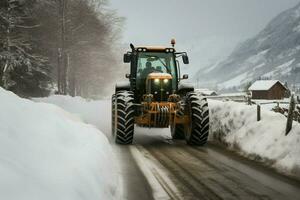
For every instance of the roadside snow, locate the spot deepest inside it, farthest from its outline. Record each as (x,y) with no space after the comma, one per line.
(232,123)
(47,153)
(235,125)
(91,112)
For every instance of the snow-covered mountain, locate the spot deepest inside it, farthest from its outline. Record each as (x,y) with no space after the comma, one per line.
(273,53)
(206,52)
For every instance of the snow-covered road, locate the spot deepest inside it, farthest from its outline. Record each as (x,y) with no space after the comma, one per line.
(156,167)
(210,172)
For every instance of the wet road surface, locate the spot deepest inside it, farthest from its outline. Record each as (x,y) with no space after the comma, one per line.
(189,172)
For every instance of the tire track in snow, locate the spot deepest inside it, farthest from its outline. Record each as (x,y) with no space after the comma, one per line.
(163,188)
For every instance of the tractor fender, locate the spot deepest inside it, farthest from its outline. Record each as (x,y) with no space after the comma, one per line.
(185,87)
(124,85)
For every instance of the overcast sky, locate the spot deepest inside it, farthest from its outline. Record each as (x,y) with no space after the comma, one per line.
(156,21)
(210,28)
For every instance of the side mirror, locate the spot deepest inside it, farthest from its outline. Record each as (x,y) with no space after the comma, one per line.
(127,58)
(127,75)
(185,59)
(185,76)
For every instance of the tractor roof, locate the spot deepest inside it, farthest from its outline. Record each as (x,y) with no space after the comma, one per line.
(155,48)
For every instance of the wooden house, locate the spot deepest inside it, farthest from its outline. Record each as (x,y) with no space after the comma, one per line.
(268,89)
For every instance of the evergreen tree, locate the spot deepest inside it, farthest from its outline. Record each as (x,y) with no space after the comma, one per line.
(67,42)
(22,70)
(247,86)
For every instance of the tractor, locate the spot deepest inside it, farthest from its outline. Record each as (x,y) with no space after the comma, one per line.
(156,96)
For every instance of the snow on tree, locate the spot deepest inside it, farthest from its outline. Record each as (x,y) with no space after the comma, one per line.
(21,68)
(70,42)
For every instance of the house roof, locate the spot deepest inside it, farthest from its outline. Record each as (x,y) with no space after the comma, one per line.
(264,85)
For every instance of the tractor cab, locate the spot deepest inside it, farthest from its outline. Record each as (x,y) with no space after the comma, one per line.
(146,60)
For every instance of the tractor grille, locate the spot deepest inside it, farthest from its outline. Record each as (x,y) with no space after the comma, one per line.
(162,117)
(156,114)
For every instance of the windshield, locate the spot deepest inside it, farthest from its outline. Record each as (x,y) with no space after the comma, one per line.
(149,62)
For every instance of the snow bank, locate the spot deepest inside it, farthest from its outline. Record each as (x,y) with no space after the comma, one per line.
(92,112)
(47,153)
(235,124)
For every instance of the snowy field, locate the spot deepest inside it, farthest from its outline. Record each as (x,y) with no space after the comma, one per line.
(47,153)
(270,104)
(235,124)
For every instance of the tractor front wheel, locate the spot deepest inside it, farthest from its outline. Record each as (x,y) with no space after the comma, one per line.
(124,119)
(196,132)
(113,113)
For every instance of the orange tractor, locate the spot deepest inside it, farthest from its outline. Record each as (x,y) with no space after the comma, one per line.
(156,96)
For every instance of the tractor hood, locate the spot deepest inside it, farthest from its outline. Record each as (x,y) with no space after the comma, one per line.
(159,85)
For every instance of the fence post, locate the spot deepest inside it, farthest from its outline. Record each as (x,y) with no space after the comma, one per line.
(289,123)
(258,112)
(249,100)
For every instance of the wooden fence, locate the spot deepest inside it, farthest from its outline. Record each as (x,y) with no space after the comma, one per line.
(292,113)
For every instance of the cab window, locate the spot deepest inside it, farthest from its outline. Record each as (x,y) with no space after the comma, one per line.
(149,62)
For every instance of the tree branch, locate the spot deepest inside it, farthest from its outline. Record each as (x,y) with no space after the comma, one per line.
(29,27)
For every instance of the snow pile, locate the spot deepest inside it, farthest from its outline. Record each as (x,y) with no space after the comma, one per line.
(91,112)
(47,153)
(235,124)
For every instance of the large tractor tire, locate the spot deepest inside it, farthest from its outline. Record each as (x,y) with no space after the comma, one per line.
(124,120)
(113,113)
(196,133)
(177,130)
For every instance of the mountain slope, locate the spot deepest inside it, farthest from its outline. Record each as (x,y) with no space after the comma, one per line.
(207,51)
(273,53)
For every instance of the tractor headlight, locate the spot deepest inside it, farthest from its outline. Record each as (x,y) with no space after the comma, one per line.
(166,81)
(156,81)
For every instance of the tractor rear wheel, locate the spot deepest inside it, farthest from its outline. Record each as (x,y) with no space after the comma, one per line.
(196,133)
(124,120)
